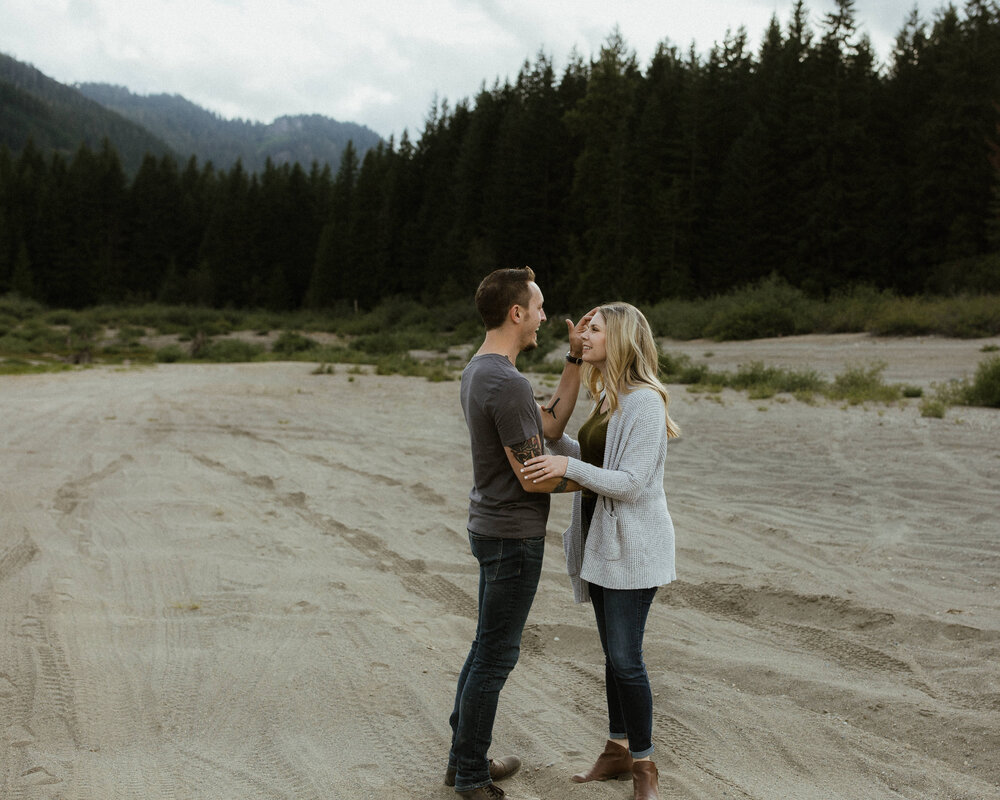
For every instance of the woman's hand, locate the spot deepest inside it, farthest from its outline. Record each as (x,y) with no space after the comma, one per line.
(542,468)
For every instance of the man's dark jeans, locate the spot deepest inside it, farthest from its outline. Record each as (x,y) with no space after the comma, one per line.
(621,622)
(509,570)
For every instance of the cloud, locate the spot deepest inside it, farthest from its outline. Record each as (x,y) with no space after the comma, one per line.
(379,62)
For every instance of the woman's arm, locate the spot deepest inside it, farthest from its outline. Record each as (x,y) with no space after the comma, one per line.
(553,484)
(637,455)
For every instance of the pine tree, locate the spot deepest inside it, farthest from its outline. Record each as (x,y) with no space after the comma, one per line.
(332,280)
(660,220)
(602,119)
(153,222)
(225,259)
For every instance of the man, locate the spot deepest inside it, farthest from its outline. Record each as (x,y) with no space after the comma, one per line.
(507,514)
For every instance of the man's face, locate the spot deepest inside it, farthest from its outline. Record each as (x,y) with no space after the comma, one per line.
(533,315)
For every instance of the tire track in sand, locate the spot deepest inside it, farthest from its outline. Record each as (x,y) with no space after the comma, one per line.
(412,573)
(17,557)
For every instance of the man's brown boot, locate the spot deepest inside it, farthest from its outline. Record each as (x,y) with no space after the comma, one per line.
(645,781)
(489,792)
(614,762)
(500,768)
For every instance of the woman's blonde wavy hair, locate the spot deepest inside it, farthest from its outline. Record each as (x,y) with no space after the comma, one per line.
(631,361)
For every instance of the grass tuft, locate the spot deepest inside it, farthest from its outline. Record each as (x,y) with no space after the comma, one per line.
(861,384)
(984,390)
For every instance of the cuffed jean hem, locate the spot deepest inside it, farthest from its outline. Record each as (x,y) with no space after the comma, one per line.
(471,788)
(634,754)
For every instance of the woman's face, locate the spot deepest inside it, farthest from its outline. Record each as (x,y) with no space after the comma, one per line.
(593,342)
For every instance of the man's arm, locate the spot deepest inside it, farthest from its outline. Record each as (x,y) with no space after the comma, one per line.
(530,448)
(560,407)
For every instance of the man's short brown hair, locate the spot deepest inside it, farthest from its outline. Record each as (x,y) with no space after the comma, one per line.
(499,291)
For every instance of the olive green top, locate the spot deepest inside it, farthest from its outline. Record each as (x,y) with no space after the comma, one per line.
(592,436)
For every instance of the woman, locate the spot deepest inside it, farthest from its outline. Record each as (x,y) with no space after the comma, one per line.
(620,543)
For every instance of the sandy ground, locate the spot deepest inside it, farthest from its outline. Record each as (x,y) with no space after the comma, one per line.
(248,581)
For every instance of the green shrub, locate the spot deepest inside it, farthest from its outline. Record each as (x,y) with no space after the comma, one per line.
(680,369)
(170,354)
(34,337)
(960,317)
(437,373)
(169,319)
(465,332)
(694,373)
(672,364)
(130,334)
(20,308)
(933,407)
(679,319)
(230,350)
(388,342)
(761,391)
(970,317)
(985,387)
(863,384)
(755,374)
(14,366)
(61,316)
(736,321)
(851,310)
(392,313)
(766,309)
(765,381)
(904,316)
(405,364)
(290,342)
(806,380)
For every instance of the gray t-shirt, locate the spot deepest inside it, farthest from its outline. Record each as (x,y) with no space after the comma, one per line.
(501,411)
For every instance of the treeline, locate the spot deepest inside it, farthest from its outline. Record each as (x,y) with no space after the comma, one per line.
(804,160)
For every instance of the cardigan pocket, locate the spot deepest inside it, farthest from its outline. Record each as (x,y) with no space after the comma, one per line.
(608,544)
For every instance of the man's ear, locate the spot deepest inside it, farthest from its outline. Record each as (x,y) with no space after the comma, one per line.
(515,313)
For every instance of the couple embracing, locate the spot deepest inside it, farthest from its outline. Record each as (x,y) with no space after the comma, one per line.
(620,543)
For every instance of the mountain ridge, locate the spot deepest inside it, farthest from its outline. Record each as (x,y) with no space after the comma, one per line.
(190,128)
(61,118)
(56,117)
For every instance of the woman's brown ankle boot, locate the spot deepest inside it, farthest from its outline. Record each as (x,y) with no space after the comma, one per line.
(614,762)
(645,780)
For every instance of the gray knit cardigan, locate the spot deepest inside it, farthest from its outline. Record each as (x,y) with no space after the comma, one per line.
(630,544)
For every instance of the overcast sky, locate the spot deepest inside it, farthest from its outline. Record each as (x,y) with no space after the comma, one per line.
(377,62)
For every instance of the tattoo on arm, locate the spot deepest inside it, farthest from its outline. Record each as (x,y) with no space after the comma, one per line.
(561,486)
(527,449)
(552,408)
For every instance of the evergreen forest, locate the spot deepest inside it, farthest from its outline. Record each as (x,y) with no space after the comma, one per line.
(806,161)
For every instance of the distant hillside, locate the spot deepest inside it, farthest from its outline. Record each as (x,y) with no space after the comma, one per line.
(190,129)
(57,117)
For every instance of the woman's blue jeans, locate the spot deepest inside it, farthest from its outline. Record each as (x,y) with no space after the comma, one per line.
(509,570)
(621,622)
